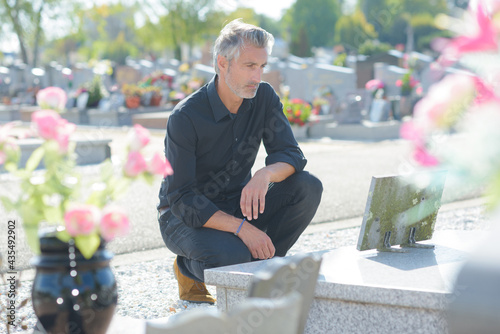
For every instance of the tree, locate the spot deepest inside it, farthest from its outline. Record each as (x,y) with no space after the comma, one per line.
(414,17)
(110,32)
(317,19)
(300,45)
(25,18)
(352,30)
(185,22)
(377,13)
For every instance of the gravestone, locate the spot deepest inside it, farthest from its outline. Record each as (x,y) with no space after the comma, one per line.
(389,74)
(401,210)
(307,81)
(283,276)
(81,76)
(256,315)
(273,78)
(352,109)
(127,75)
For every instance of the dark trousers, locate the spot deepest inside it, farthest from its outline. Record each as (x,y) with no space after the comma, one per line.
(290,207)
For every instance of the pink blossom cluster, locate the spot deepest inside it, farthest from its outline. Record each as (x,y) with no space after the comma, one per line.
(412,82)
(374,84)
(136,164)
(49,125)
(53,98)
(84,219)
(457,98)
(483,29)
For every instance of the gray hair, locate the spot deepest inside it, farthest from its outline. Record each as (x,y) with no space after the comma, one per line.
(235,35)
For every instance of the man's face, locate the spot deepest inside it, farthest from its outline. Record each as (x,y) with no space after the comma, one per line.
(244,74)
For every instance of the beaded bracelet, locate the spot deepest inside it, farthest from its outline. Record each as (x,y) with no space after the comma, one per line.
(239,228)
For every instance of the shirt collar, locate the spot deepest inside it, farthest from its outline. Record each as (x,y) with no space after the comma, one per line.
(218,108)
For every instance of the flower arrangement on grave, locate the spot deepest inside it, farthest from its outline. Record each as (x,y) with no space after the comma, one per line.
(152,85)
(297,111)
(375,87)
(133,94)
(156,78)
(318,104)
(84,211)
(467,102)
(132,90)
(407,83)
(96,91)
(153,95)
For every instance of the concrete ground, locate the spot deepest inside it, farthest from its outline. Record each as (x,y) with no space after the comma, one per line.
(344,167)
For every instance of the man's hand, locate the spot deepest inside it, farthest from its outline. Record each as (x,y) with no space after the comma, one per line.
(253,195)
(259,244)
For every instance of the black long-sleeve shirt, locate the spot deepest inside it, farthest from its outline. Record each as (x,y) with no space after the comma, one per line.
(212,151)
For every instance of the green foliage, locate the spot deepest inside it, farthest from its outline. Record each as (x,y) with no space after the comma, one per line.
(110,31)
(353,30)
(24,19)
(119,49)
(96,91)
(317,18)
(341,60)
(186,22)
(390,18)
(371,47)
(300,45)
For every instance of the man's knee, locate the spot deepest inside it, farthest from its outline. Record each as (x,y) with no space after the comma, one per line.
(309,185)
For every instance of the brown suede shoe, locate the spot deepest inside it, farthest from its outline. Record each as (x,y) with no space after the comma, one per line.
(191,290)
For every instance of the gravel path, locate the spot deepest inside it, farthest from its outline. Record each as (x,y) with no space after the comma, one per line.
(148,290)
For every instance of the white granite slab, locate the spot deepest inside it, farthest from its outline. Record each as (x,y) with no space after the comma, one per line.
(371,291)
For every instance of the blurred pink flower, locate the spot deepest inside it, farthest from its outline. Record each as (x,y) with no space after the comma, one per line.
(114,223)
(410,131)
(81,219)
(399,82)
(419,90)
(484,93)
(446,101)
(51,126)
(52,98)
(413,82)
(483,38)
(160,165)
(46,122)
(138,137)
(374,84)
(424,158)
(135,165)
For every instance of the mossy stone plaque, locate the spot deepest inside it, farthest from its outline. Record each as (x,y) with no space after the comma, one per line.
(401,210)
